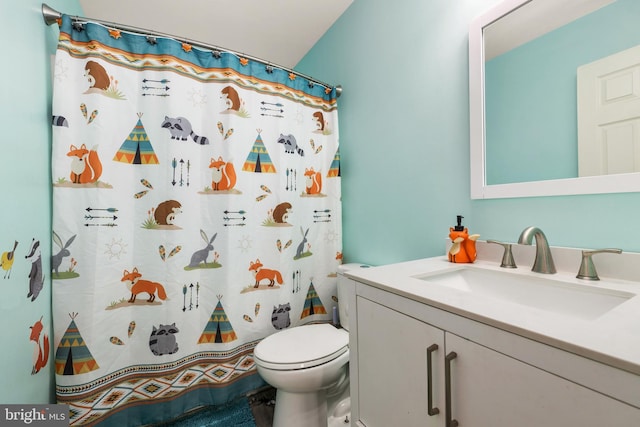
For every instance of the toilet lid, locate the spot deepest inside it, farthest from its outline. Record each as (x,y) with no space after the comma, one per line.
(301,347)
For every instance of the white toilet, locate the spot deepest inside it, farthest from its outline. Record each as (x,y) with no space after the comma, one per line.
(309,367)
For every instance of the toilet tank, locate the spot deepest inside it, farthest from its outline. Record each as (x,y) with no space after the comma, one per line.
(346,292)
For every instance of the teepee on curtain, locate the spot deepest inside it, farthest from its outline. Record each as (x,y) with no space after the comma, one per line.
(137,149)
(197,205)
(72,356)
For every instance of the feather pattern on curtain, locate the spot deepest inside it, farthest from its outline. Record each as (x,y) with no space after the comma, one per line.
(196,210)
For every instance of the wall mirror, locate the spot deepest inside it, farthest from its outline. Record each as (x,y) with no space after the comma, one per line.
(542,91)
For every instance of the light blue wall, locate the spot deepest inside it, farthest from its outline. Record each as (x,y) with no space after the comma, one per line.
(549,66)
(25,91)
(404,123)
(404,138)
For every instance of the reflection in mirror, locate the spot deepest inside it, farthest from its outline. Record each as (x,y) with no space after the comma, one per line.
(533,93)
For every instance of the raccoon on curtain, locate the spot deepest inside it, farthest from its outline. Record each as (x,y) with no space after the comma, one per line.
(196,210)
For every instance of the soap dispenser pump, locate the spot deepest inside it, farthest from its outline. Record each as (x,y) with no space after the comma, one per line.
(463,245)
(459,227)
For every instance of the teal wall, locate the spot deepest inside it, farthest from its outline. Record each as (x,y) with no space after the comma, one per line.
(514,111)
(25,94)
(404,123)
(404,137)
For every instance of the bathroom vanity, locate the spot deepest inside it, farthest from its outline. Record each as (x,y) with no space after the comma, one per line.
(441,344)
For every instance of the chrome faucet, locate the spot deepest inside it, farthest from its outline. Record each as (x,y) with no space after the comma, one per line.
(544,261)
(587,268)
(507,256)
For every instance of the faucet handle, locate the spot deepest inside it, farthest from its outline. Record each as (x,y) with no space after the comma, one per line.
(507,256)
(587,267)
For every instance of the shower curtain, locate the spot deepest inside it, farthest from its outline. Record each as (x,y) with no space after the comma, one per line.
(196,210)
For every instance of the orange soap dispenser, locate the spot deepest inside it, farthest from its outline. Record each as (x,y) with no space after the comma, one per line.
(463,245)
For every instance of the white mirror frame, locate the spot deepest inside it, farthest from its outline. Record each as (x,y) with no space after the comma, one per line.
(620,183)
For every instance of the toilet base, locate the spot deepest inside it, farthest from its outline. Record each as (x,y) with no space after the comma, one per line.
(339,404)
(323,408)
(300,409)
(341,415)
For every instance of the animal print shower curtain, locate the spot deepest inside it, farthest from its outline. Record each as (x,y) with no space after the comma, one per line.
(196,210)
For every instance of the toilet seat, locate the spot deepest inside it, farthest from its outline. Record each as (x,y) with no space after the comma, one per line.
(301,347)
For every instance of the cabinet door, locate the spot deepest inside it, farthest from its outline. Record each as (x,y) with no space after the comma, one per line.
(492,389)
(392,368)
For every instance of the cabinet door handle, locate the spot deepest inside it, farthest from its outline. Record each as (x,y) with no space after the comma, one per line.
(447,389)
(430,409)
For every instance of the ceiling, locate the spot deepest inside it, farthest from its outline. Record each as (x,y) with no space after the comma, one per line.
(277,31)
(532,20)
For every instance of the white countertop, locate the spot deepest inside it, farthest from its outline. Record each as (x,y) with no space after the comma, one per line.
(612,338)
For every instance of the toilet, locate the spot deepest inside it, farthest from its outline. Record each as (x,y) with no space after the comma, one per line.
(309,367)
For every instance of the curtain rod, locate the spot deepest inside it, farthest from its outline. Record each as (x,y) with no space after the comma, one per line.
(51,16)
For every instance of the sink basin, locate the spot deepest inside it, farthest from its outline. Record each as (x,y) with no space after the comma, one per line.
(544,292)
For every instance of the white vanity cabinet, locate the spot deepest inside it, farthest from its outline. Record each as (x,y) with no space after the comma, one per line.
(392,361)
(494,389)
(496,378)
